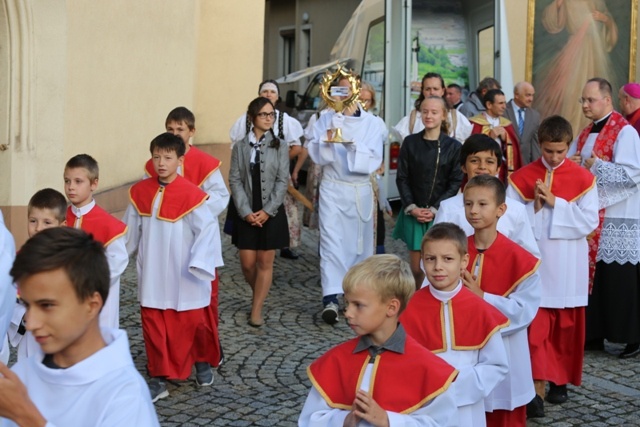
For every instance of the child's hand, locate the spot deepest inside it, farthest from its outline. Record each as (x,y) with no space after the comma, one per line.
(545,194)
(470,282)
(538,203)
(369,410)
(15,403)
(261,217)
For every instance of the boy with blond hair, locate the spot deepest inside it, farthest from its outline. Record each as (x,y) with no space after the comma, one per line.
(562,203)
(504,275)
(174,233)
(82,374)
(383,377)
(457,325)
(47,208)
(81,176)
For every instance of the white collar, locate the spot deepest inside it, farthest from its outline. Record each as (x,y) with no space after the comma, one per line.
(546,165)
(445,295)
(80,212)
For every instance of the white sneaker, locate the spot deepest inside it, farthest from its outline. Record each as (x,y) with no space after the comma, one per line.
(330,313)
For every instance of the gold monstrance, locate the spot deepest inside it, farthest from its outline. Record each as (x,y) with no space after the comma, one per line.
(339,105)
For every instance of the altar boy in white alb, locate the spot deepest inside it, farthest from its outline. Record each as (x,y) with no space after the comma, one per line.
(562,203)
(82,375)
(174,232)
(346,198)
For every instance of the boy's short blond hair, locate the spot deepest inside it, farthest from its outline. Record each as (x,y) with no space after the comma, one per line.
(389,276)
(446,232)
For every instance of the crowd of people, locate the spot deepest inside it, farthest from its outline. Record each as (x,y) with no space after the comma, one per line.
(524,251)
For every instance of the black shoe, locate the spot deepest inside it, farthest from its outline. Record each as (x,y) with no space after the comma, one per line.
(535,408)
(594,345)
(288,253)
(557,393)
(631,350)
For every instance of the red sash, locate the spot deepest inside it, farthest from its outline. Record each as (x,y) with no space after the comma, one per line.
(177,199)
(400,383)
(569,181)
(603,149)
(197,166)
(510,148)
(502,267)
(472,321)
(104,226)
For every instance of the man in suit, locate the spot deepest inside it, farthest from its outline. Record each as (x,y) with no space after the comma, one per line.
(525,121)
(453,96)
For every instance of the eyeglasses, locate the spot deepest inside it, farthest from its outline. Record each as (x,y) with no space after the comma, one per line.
(266,115)
(588,100)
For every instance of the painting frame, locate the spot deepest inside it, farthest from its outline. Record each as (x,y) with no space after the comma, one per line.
(545,48)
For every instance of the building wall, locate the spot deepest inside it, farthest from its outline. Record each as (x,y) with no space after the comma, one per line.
(99,77)
(326,19)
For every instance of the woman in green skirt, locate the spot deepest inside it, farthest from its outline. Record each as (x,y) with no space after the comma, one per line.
(428,172)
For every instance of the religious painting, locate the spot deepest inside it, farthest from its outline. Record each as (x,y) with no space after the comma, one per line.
(571,41)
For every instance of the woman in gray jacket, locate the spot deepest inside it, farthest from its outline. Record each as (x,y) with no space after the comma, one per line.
(258,178)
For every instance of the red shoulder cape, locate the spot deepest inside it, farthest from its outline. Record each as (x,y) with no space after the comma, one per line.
(569,181)
(197,166)
(104,226)
(510,148)
(400,382)
(177,199)
(503,266)
(472,321)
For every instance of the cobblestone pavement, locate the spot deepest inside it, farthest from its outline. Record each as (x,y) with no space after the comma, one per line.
(263,379)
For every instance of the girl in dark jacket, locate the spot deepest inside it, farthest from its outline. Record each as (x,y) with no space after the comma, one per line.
(428,172)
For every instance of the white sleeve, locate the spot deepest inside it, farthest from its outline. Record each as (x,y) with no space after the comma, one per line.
(322,153)
(575,220)
(520,306)
(475,382)
(442,411)
(619,180)
(403,127)
(367,156)
(134,229)
(463,127)
(292,130)
(205,229)
(7,290)
(239,130)
(117,257)
(524,228)
(316,412)
(218,193)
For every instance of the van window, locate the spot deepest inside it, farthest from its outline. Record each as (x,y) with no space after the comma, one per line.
(486,51)
(373,66)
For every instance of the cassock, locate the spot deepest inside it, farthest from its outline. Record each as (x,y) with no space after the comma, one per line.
(105,389)
(463,330)
(614,304)
(174,232)
(508,275)
(634,120)
(459,125)
(514,224)
(7,290)
(408,381)
(512,159)
(556,336)
(109,231)
(346,197)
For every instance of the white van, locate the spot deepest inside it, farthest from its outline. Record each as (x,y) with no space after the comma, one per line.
(392,43)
